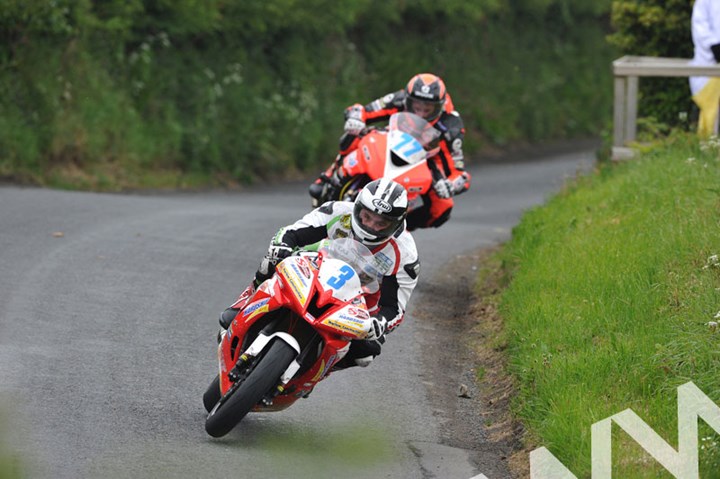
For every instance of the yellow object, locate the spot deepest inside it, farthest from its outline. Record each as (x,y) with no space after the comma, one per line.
(708,100)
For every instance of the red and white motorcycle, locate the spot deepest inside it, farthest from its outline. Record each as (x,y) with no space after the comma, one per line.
(289,334)
(398,152)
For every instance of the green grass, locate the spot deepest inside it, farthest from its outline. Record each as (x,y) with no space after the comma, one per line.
(611,292)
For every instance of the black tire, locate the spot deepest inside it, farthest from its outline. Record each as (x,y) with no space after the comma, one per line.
(212,394)
(262,378)
(342,193)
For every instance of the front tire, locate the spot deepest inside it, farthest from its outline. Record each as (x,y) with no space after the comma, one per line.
(212,394)
(265,374)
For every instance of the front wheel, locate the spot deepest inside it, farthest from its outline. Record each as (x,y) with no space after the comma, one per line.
(265,374)
(212,394)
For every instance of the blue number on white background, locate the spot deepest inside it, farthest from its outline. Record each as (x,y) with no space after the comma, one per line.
(338,282)
(413,148)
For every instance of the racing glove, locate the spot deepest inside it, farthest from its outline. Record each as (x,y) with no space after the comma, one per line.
(353,126)
(354,123)
(377,329)
(443,187)
(459,184)
(275,254)
(278,252)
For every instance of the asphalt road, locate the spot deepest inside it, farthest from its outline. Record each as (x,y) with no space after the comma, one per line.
(108,316)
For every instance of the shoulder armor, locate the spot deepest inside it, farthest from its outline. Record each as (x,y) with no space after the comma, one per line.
(326,208)
(413,269)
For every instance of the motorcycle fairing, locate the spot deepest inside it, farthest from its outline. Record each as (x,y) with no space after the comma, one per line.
(295,273)
(352,320)
(319,293)
(379,148)
(340,279)
(336,282)
(405,147)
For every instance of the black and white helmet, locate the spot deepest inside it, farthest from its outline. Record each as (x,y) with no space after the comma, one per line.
(380,210)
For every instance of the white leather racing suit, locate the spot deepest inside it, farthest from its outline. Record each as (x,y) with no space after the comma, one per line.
(333,220)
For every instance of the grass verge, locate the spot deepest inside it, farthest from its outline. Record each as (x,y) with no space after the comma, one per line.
(614,291)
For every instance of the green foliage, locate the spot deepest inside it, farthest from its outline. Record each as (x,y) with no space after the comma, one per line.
(614,284)
(658,28)
(246,89)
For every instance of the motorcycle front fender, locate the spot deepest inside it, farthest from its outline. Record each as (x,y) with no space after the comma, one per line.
(261,341)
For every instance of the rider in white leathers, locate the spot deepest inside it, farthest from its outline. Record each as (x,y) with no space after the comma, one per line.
(376,219)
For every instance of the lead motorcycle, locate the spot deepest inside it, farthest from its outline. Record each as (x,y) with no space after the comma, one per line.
(289,334)
(398,152)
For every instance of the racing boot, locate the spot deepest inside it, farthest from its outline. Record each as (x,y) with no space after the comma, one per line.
(227,316)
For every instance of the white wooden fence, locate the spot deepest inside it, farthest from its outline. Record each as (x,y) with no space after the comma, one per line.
(627,70)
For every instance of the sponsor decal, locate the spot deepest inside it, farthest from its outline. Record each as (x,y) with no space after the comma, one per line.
(304,270)
(388,98)
(346,222)
(366,153)
(457,144)
(252,307)
(331,361)
(424,92)
(291,277)
(299,274)
(414,189)
(382,205)
(351,319)
(383,262)
(297,290)
(256,308)
(351,160)
(343,326)
(319,374)
(325,368)
(360,313)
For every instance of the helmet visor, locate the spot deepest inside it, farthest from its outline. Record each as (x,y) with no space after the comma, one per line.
(426,109)
(375,224)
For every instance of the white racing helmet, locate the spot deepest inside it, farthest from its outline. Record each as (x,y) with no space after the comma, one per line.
(379,213)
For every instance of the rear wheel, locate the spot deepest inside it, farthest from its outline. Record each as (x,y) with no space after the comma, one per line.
(241,398)
(349,190)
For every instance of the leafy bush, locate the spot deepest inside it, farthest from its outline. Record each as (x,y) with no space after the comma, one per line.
(656,28)
(240,90)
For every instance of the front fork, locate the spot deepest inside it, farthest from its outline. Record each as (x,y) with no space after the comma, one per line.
(245,360)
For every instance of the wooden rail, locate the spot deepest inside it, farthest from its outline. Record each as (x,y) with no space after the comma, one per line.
(626,71)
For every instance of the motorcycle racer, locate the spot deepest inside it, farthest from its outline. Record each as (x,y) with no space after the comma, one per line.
(426,96)
(377,219)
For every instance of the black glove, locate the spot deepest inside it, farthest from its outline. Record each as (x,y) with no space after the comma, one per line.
(278,252)
(377,329)
(716,51)
(275,254)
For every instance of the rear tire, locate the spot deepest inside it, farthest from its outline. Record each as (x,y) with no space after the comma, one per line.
(264,375)
(212,394)
(350,189)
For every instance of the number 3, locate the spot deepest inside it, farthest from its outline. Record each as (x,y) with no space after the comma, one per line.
(338,282)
